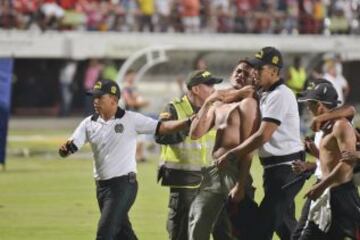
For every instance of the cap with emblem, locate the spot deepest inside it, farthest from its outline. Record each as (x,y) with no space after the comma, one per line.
(201,76)
(105,87)
(323,92)
(267,56)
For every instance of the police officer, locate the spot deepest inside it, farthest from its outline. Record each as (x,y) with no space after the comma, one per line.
(182,158)
(112,132)
(296,76)
(279,143)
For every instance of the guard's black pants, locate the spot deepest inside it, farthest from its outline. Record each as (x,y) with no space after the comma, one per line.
(115,198)
(277,209)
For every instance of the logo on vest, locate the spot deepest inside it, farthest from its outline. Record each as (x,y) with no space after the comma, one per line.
(119,128)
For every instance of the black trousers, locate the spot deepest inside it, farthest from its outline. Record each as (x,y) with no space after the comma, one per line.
(115,198)
(345,210)
(277,209)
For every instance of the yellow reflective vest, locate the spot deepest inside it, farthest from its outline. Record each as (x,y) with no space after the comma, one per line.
(189,155)
(297,79)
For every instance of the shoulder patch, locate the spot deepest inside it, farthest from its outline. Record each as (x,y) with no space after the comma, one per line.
(165,115)
(176,100)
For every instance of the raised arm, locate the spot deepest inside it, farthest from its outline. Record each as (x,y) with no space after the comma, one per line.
(173,126)
(344,111)
(169,114)
(205,118)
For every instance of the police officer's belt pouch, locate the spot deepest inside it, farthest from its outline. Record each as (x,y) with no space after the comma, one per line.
(181,178)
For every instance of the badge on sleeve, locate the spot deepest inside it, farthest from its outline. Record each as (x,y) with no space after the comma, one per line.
(119,128)
(165,115)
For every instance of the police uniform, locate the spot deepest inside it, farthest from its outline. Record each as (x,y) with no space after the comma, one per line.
(113,143)
(183,159)
(278,105)
(297,79)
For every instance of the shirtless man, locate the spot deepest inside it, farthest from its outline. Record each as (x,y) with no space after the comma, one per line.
(312,147)
(234,123)
(337,175)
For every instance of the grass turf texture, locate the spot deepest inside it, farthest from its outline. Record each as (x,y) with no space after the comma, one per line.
(55,199)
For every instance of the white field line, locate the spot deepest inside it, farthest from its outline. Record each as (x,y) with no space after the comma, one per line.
(36,138)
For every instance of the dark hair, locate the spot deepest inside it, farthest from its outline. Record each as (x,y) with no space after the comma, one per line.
(243,61)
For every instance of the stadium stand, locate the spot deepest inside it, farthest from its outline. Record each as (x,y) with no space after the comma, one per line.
(223,16)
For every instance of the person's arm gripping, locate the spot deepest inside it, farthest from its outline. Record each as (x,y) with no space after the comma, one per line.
(273,114)
(204,120)
(170,114)
(344,111)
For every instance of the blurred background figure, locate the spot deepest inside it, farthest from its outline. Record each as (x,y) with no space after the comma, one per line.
(67,87)
(180,81)
(296,80)
(110,70)
(163,9)
(52,14)
(296,76)
(200,63)
(146,13)
(92,74)
(133,101)
(337,79)
(191,15)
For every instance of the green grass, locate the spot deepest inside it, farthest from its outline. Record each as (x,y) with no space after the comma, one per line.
(55,199)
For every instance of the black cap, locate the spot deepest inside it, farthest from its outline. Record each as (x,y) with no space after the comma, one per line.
(267,55)
(105,87)
(323,92)
(201,76)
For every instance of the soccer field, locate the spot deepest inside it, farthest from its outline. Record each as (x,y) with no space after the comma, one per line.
(46,197)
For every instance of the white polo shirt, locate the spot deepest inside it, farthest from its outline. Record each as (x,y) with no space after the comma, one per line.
(113,142)
(279,105)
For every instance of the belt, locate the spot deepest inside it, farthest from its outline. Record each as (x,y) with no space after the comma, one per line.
(282,160)
(130,177)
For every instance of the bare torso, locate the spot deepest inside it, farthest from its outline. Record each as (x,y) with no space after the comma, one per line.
(229,123)
(330,155)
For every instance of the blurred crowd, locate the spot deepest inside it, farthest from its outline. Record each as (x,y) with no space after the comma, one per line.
(225,16)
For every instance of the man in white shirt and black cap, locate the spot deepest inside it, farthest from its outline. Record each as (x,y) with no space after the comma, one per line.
(112,132)
(279,143)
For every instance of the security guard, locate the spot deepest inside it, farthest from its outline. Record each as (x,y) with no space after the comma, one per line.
(112,133)
(182,158)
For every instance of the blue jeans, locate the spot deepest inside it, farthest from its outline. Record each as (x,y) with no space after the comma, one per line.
(115,198)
